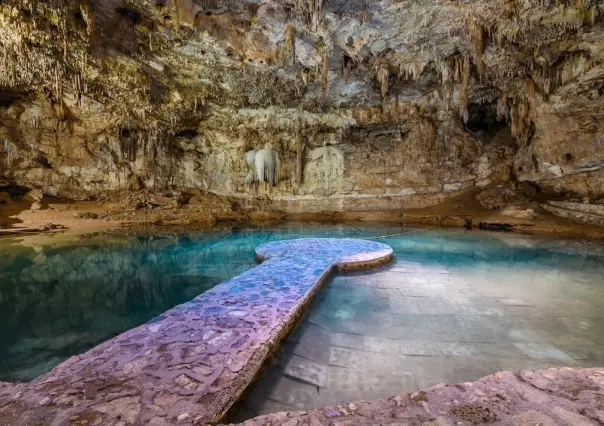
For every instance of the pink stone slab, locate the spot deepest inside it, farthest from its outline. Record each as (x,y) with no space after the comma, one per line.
(190,364)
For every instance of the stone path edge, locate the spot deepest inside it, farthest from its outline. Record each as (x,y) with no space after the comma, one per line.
(556,396)
(190,364)
(349,264)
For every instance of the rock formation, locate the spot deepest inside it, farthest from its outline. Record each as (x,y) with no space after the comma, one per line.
(369,104)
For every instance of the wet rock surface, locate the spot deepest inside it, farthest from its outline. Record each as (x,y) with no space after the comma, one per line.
(580,212)
(190,364)
(557,396)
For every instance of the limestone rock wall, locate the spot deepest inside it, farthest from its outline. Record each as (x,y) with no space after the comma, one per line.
(370,105)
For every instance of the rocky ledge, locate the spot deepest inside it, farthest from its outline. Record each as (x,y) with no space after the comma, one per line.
(557,396)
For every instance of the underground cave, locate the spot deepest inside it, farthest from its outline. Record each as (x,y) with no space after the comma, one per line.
(301,212)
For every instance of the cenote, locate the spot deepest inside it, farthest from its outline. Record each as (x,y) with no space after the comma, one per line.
(454,306)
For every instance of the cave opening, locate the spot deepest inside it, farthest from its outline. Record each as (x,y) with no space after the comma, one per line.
(16,192)
(483,122)
(9,97)
(130,14)
(43,161)
(187,133)
(79,19)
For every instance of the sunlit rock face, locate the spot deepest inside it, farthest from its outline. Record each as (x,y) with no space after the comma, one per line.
(368,104)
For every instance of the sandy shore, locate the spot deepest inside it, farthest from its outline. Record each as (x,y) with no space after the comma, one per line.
(64,221)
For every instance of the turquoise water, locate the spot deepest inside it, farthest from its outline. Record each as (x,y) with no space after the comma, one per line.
(57,302)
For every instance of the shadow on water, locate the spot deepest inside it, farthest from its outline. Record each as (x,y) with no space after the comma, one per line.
(57,302)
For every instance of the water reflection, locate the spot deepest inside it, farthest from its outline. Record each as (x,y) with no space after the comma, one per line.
(57,302)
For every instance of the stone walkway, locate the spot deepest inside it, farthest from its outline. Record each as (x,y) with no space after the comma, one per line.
(557,396)
(189,365)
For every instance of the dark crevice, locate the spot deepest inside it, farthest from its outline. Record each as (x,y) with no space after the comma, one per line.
(16,192)
(130,14)
(483,122)
(43,161)
(9,97)
(187,133)
(79,19)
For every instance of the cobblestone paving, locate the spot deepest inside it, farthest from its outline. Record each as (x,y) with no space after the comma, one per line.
(190,364)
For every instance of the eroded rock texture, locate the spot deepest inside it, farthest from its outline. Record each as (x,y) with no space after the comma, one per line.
(557,396)
(368,104)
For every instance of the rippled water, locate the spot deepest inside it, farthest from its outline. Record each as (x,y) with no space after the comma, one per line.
(57,302)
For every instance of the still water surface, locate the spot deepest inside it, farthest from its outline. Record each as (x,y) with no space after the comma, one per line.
(59,301)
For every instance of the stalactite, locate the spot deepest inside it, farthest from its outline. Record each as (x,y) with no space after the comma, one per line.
(58,77)
(520,122)
(465,84)
(477,36)
(515,120)
(325,74)
(594,14)
(79,88)
(317,11)
(398,112)
(383,77)
(290,43)
(65,42)
(11,151)
(455,69)
(502,108)
(346,67)
(306,75)
(445,73)
(530,87)
(89,17)
(299,147)
(128,142)
(412,70)
(175,9)
(263,166)
(427,131)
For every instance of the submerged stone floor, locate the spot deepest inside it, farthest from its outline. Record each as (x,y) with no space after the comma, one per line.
(189,365)
(558,396)
(417,324)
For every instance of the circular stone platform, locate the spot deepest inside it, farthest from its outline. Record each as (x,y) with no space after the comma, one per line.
(190,364)
(343,253)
